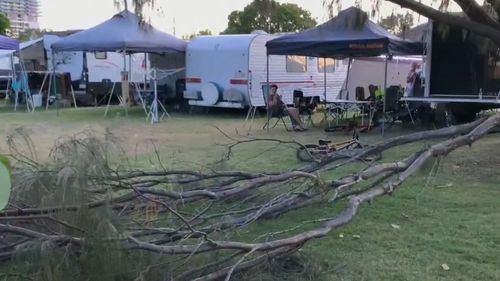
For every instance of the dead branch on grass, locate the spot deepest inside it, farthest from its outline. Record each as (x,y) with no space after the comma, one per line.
(199,216)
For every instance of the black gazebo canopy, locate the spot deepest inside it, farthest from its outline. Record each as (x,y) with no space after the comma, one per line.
(350,34)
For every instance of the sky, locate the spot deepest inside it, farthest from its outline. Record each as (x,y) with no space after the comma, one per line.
(179,17)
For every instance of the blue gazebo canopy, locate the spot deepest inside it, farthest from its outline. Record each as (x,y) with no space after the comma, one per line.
(7,43)
(350,34)
(123,32)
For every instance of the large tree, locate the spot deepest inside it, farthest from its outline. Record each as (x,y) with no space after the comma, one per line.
(199,33)
(30,34)
(4,24)
(397,23)
(270,16)
(480,19)
(138,5)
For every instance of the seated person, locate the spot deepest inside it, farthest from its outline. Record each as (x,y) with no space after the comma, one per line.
(279,108)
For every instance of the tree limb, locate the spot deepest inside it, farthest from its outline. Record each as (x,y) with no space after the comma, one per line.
(476,13)
(481,29)
(495,4)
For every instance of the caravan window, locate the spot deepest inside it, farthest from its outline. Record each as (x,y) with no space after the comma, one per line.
(100,55)
(327,63)
(296,64)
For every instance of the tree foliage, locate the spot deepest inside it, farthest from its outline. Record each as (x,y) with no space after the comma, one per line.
(4,24)
(138,5)
(270,16)
(482,18)
(30,34)
(397,23)
(199,33)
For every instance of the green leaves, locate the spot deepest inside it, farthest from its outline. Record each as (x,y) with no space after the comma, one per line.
(5,181)
(269,16)
(397,23)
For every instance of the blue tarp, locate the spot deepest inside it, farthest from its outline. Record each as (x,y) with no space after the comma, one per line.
(122,32)
(7,43)
(350,34)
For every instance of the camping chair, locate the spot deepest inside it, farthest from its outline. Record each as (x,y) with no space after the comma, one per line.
(306,106)
(310,105)
(107,87)
(336,111)
(366,108)
(396,110)
(279,116)
(360,93)
(22,92)
(371,90)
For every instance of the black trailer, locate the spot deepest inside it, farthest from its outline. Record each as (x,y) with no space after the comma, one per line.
(461,72)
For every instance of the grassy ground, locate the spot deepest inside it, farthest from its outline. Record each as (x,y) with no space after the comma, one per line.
(448,214)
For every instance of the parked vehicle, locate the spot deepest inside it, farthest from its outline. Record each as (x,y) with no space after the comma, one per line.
(230,71)
(88,69)
(461,73)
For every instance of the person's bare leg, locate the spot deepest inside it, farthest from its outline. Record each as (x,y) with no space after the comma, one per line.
(294,114)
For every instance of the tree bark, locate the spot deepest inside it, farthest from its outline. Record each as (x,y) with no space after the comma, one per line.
(496,6)
(477,13)
(453,20)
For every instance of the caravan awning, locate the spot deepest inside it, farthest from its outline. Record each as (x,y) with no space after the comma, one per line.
(6,53)
(30,43)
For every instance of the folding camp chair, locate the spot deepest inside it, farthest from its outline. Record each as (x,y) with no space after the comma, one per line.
(306,106)
(396,110)
(279,116)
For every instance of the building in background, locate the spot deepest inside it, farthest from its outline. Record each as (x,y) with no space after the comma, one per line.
(23,14)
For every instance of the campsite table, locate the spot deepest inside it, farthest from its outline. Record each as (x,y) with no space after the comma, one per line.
(340,109)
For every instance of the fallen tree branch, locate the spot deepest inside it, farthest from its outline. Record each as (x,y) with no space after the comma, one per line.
(202,220)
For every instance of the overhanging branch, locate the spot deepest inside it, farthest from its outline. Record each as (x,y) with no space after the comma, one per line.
(476,13)
(453,20)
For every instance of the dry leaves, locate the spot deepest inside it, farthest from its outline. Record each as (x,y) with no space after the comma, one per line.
(445,267)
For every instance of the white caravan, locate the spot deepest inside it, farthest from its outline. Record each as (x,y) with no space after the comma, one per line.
(100,65)
(230,71)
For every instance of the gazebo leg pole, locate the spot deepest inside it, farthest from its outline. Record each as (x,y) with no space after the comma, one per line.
(266,89)
(347,78)
(109,100)
(73,95)
(49,89)
(43,84)
(125,96)
(346,89)
(385,96)
(325,117)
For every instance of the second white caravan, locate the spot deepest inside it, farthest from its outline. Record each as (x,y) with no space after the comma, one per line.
(230,71)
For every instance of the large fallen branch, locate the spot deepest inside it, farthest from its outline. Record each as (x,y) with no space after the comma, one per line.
(177,216)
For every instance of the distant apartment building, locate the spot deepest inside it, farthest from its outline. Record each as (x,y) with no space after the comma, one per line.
(23,14)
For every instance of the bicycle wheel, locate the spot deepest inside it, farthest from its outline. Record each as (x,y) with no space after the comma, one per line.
(307,153)
(355,145)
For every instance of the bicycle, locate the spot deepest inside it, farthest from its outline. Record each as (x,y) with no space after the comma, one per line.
(314,152)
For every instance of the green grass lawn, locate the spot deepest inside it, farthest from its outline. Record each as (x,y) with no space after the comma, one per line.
(448,214)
